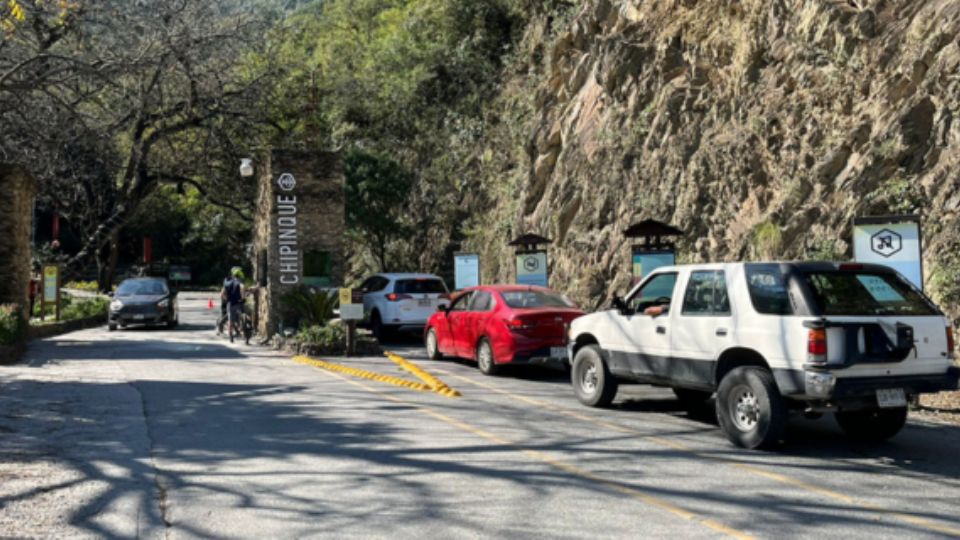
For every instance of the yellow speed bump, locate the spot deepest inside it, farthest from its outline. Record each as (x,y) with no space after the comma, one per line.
(436,384)
(364,374)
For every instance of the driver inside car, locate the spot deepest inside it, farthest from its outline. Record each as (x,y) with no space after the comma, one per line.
(657,310)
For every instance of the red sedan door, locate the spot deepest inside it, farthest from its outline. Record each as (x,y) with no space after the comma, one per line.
(450,337)
(475,323)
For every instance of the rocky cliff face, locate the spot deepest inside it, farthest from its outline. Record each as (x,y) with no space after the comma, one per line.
(760,127)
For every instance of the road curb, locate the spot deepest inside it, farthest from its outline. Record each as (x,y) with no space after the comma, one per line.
(436,384)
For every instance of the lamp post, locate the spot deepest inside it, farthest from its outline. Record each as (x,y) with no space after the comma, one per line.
(246,167)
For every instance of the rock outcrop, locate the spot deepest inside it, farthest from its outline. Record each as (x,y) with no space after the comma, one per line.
(760,127)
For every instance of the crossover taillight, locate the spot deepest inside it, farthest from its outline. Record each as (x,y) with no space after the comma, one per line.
(394,297)
(817,346)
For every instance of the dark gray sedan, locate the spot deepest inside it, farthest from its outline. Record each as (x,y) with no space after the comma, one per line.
(143,301)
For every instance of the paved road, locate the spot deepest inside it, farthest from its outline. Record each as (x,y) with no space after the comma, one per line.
(176,434)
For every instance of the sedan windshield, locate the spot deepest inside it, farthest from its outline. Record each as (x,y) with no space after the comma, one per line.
(142,288)
(535,299)
(865,293)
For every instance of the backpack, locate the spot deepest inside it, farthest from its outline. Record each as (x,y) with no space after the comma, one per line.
(233,292)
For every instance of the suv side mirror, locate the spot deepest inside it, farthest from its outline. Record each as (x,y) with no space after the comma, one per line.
(620,305)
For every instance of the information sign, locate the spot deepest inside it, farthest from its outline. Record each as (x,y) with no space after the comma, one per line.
(893,241)
(532,268)
(51,284)
(645,262)
(466,270)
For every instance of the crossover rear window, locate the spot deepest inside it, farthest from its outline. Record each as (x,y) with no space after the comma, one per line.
(866,293)
(419,286)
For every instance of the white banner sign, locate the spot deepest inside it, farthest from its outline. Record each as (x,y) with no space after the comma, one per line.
(466,270)
(896,245)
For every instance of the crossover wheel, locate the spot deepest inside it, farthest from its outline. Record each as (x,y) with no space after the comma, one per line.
(592,382)
(430,343)
(872,425)
(485,358)
(750,409)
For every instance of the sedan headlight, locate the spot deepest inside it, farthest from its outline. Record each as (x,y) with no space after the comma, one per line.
(116,305)
(163,304)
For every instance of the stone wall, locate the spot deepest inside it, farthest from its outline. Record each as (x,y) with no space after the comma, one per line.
(299,228)
(17,192)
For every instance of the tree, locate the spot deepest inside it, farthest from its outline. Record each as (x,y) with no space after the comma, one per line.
(376,191)
(124,96)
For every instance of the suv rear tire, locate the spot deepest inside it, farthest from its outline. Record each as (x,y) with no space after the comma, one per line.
(749,408)
(593,383)
(873,425)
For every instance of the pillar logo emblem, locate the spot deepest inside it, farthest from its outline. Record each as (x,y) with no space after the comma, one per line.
(287,182)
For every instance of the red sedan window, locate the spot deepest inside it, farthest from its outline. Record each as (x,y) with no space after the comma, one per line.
(536,299)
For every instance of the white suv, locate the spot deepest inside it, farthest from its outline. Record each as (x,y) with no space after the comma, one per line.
(400,302)
(853,339)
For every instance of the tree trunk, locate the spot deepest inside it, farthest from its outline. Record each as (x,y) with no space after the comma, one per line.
(107,262)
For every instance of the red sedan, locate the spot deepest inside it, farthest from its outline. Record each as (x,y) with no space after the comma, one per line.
(502,324)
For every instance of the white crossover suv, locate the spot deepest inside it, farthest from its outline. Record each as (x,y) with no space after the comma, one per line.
(856,340)
(401,301)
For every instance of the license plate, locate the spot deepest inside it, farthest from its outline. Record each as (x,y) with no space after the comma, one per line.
(558,352)
(891,397)
(139,317)
(423,302)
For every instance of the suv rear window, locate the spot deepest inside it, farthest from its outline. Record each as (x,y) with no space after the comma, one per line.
(768,289)
(419,286)
(866,293)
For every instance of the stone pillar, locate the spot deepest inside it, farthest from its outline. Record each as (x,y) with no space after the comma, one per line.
(17,191)
(299,228)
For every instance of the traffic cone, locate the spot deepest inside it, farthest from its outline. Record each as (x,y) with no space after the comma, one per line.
(210,303)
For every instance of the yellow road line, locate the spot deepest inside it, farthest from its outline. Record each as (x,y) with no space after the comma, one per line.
(356,372)
(566,467)
(756,471)
(438,386)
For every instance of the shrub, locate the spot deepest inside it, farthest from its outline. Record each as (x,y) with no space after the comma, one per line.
(82,308)
(313,307)
(11,324)
(91,286)
(328,337)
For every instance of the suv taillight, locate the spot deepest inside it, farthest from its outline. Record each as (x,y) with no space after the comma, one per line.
(394,297)
(950,343)
(817,346)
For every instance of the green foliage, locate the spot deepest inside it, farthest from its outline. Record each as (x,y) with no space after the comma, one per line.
(328,337)
(72,308)
(11,324)
(827,249)
(898,195)
(945,279)
(377,189)
(208,238)
(90,286)
(312,307)
(767,240)
(82,308)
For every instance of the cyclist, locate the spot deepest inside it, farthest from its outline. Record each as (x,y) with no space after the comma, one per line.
(232,294)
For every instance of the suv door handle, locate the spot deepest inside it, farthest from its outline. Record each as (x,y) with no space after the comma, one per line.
(721,331)
(661,329)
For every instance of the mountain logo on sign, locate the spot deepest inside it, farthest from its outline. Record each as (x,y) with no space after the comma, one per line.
(287,182)
(886,243)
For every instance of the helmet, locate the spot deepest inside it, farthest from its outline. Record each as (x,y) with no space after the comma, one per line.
(236,272)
